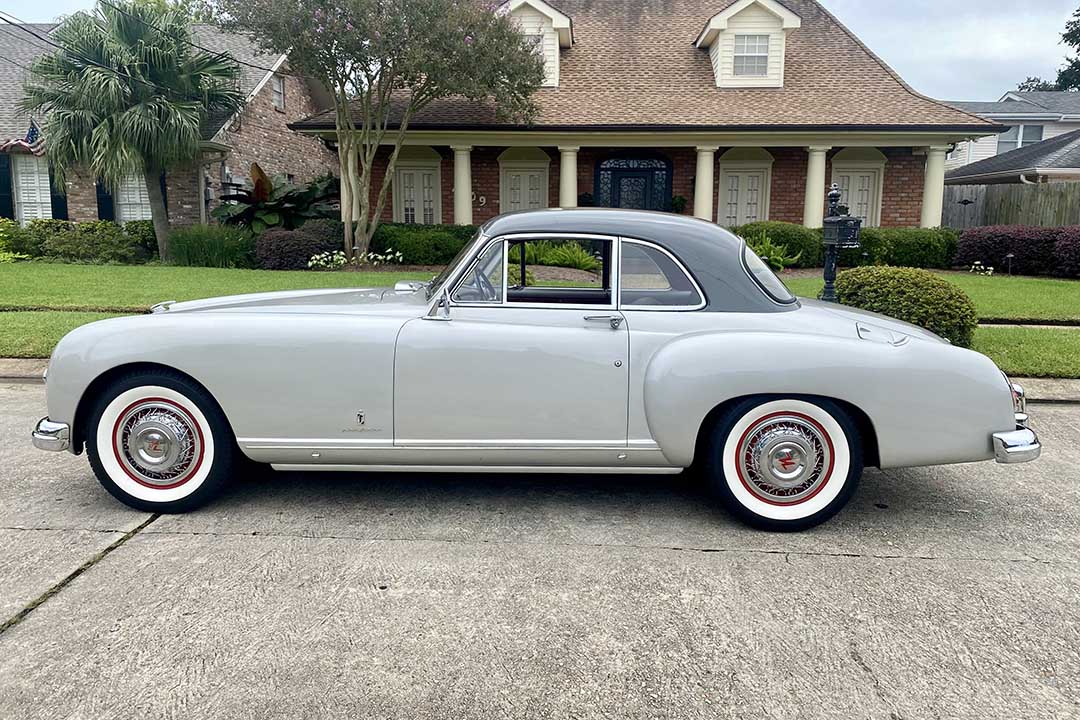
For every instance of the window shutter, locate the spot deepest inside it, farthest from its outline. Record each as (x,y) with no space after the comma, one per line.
(58,200)
(164,194)
(7,204)
(105,208)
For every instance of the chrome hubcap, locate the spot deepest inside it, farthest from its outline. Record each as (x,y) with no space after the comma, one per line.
(784,458)
(157,443)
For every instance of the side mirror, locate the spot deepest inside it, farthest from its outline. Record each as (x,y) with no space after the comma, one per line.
(441,311)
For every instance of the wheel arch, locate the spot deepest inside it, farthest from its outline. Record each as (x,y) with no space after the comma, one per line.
(108,377)
(867,432)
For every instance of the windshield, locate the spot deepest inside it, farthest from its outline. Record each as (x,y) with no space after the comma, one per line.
(438,280)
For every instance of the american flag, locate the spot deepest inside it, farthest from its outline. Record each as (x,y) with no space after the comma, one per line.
(34,142)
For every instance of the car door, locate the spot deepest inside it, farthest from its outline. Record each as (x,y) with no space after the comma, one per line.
(538,361)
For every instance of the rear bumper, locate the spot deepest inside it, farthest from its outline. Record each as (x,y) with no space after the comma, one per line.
(49,435)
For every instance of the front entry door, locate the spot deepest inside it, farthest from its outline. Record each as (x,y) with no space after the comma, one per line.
(514,377)
(631,190)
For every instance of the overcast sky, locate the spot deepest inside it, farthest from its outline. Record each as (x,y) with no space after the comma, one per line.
(949,49)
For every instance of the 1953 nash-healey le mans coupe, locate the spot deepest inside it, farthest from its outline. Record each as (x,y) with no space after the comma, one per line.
(675,347)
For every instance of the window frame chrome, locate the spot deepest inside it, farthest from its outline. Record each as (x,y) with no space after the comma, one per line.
(682,268)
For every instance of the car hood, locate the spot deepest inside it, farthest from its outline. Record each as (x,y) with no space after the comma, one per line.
(834,310)
(336,300)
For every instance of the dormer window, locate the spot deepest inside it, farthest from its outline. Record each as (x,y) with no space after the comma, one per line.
(549,29)
(746,43)
(751,56)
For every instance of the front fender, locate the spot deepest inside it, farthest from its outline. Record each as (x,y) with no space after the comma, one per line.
(274,376)
(930,403)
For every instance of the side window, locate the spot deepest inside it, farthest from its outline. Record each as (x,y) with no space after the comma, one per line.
(484,282)
(650,277)
(572,271)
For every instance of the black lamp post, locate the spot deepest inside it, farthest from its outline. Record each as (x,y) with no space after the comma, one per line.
(840,231)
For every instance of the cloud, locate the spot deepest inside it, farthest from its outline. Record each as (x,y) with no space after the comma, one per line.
(961,51)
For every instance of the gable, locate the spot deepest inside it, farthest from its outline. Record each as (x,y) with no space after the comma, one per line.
(747,43)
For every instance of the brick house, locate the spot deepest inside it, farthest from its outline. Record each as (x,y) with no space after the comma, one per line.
(258,133)
(746,109)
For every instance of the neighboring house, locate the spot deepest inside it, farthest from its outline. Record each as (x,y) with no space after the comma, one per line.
(1030,117)
(258,133)
(746,108)
(1053,160)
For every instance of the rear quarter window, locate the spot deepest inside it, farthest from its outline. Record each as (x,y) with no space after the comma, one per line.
(765,277)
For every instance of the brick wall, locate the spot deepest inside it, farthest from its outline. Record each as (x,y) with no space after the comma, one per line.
(259,135)
(901,202)
(81,197)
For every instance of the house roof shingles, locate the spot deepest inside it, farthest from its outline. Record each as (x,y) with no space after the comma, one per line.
(22,48)
(1006,107)
(1058,153)
(1058,101)
(634,64)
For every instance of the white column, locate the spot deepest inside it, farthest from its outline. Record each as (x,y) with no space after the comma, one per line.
(703,183)
(462,184)
(568,177)
(814,205)
(933,186)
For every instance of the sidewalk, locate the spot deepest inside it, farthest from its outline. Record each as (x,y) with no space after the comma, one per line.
(1038,389)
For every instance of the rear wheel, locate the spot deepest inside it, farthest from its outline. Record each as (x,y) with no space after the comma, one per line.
(784,464)
(159,443)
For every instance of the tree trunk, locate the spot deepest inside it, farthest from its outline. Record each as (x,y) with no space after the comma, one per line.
(158,214)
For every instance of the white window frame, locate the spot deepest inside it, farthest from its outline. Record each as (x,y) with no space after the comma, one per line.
(1020,136)
(277,92)
(399,190)
(143,204)
(44,207)
(744,55)
(524,160)
(858,166)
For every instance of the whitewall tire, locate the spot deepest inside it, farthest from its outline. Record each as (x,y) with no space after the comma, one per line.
(785,463)
(158,442)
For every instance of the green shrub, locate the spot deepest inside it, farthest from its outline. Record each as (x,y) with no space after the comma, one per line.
(212,246)
(775,255)
(903,247)
(912,295)
(9,235)
(98,241)
(799,241)
(142,231)
(278,249)
(556,254)
(31,239)
(422,244)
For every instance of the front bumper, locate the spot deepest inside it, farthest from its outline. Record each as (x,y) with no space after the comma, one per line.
(49,435)
(1019,445)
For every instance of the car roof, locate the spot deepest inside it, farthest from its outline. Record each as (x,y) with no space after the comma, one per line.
(712,254)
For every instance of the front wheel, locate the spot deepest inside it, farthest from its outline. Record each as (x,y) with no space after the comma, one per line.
(159,443)
(784,464)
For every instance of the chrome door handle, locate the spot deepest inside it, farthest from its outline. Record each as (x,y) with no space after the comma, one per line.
(614,320)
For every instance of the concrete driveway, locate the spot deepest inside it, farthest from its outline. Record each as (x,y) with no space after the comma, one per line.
(944,592)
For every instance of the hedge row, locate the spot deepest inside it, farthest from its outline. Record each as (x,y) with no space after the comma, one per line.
(1034,250)
(97,241)
(418,244)
(908,247)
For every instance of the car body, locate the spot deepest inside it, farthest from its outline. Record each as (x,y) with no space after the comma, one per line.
(486,368)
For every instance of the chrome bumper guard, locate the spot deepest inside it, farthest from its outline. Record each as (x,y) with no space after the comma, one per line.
(1019,445)
(49,435)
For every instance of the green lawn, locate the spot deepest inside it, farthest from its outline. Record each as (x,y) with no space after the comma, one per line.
(35,334)
(1032,352)
(997,298)
(55,286)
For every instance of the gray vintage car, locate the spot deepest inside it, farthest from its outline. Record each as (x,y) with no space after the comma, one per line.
(575,341)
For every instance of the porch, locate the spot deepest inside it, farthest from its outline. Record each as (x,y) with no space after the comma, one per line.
(887,185)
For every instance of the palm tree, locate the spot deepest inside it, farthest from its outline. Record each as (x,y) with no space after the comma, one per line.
(126,94)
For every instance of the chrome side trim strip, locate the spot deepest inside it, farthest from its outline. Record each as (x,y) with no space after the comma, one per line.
(530,469)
